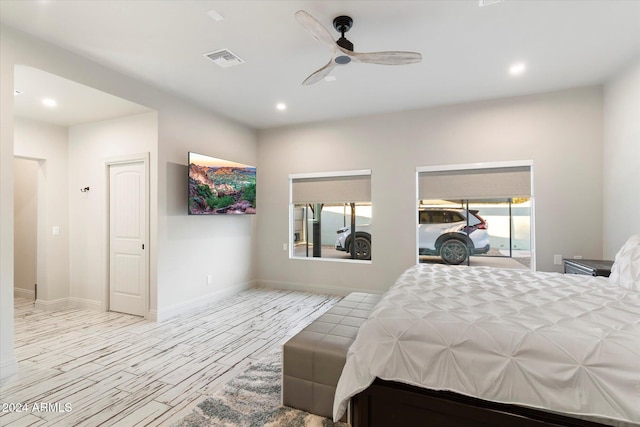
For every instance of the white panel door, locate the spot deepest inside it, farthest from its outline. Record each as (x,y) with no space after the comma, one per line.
(127,238)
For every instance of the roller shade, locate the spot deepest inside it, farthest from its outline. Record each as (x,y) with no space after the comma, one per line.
(338,189)
(476,183)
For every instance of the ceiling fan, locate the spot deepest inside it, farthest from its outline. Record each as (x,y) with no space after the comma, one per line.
(342,49)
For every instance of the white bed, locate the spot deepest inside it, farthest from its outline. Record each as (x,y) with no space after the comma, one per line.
(562,343)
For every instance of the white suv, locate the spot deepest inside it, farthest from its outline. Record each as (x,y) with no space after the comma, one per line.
(445,232)
(441,231)
(363,241)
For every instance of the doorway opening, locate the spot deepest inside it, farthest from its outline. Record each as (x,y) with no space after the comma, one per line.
(28,214)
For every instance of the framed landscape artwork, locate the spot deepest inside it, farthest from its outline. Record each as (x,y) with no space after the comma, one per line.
(220,187)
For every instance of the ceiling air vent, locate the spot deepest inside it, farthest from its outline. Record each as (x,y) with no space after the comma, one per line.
(482,3)
(224,58)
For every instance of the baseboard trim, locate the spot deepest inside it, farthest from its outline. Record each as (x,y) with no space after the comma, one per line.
(315,288)
(163,314)
(24,293)
(53,305)
(8,368)
(71,302)
(87,304)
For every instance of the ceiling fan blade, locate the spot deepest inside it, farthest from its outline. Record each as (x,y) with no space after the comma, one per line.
(319,74)
(317,30)
(387,58)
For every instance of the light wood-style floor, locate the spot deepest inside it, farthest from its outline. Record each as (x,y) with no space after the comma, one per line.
(122,370)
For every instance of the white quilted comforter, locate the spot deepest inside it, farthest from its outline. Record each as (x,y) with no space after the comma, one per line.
(564,343)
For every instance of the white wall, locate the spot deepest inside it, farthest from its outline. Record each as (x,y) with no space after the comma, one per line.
(25,215)
(621,156)
(194,247)
(561,132)
(8,362)
(185,249)
(90,145)
(48,144)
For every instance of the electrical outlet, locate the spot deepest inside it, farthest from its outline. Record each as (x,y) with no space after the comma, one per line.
(209,280)
(577,257)
(284,246)
(557,259)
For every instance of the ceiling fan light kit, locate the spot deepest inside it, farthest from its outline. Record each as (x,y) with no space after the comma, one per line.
(342,49)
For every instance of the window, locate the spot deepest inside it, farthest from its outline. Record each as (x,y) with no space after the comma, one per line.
(325,210)
(466,212)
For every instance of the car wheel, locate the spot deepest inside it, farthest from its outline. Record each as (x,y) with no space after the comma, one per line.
(363,247)
(453,252)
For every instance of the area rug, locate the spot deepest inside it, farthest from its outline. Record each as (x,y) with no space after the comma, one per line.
(252,399)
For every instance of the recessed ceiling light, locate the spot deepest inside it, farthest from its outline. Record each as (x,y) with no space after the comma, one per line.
(517,69)
(281,106)
(17,92)
(49,102)
(215,15)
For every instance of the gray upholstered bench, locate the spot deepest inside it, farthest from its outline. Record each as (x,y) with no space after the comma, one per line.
(312,360)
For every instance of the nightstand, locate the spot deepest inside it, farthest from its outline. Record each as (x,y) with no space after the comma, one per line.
(589,267)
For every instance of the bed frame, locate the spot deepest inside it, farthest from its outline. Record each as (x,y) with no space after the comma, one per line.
(387,403)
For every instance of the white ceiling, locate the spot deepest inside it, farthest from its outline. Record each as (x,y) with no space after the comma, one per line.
(76,103)
(466,50)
